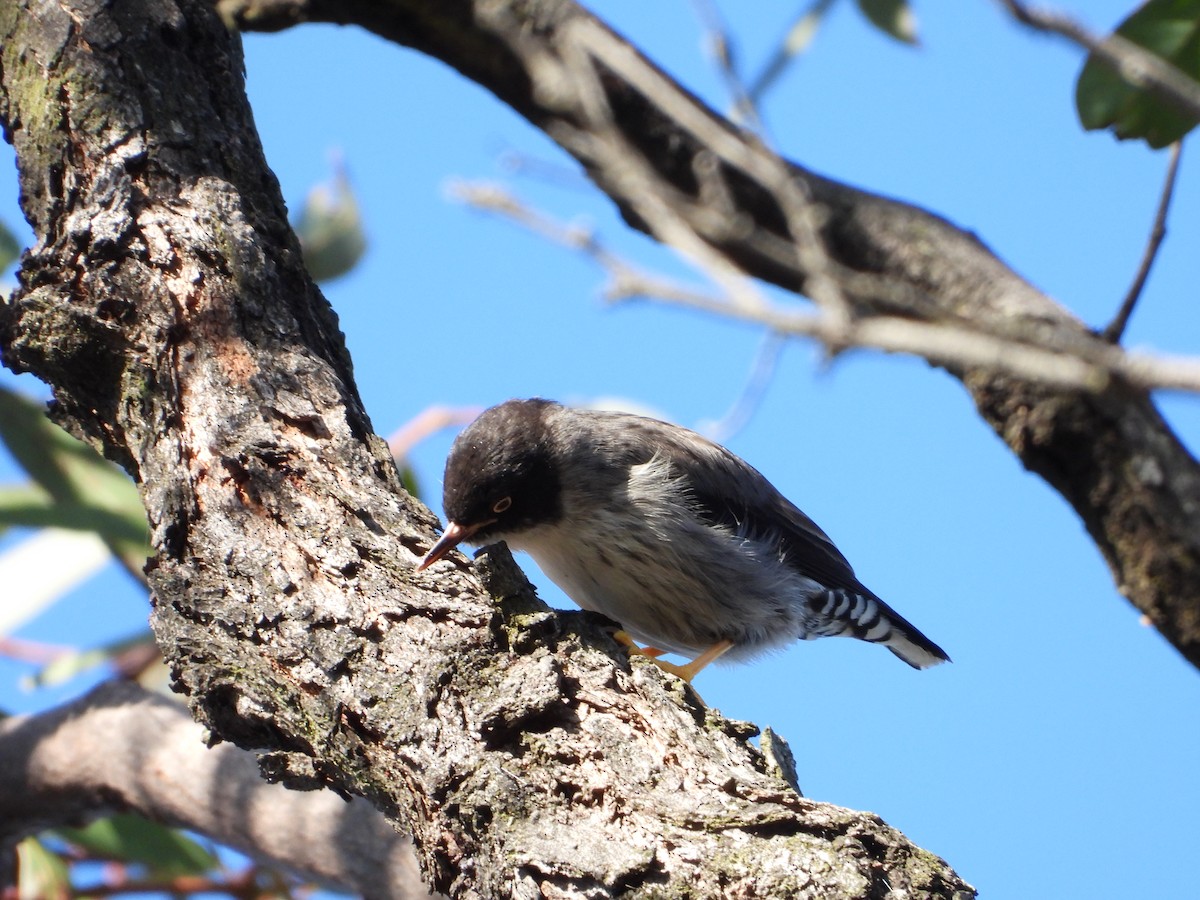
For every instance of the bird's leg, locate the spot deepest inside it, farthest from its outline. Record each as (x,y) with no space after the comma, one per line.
(623,638)
(686,672)
(692,669)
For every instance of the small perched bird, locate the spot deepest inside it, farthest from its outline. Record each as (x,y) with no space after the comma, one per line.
(683,543)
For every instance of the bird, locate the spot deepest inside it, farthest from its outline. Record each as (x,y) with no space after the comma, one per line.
(684,544)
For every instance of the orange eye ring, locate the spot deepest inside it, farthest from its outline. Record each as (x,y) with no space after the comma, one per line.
(502,504)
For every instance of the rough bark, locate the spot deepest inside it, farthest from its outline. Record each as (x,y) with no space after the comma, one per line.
(1108,452)
(166,302)
(124,749)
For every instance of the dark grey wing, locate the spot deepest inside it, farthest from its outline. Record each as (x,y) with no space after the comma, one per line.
(728,491)
(772,518)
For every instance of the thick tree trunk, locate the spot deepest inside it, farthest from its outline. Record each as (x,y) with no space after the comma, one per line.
(166,302)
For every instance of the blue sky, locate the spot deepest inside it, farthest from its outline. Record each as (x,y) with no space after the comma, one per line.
(1056,756)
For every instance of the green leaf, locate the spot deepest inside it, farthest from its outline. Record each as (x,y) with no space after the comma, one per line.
(29,506)
(41,874)
(893,17)
(89,492)
(126,838)
(330,229)
(1103,99)
(10,250)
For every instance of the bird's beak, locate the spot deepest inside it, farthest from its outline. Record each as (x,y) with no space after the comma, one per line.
(454,535)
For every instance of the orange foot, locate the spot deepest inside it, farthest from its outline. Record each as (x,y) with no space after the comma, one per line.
(686,672)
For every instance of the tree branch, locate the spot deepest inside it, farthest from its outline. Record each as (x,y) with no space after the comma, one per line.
(1106,450)
(166,301)
(122,748)
(1158,231)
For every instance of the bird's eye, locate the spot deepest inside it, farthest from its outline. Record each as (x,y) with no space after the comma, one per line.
(501,505)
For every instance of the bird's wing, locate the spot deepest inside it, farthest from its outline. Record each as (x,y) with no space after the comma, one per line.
(730,492)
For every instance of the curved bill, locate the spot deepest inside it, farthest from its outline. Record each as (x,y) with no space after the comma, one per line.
(454,535)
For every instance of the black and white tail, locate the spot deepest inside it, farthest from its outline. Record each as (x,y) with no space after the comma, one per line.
(864,616)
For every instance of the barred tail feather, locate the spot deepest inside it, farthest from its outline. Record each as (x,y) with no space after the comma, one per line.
(866,617)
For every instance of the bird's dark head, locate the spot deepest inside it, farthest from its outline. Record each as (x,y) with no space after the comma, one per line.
(501,477)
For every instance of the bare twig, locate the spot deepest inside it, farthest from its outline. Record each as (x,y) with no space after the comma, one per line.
(747,403)
(426,423)
(697,229)
(36,652)
(664,209)
(676,220)
(516,162)
(796,39)
(959,345)
(720,42)
(119,882)
(626,281)
(1137,65)
(1158,231)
